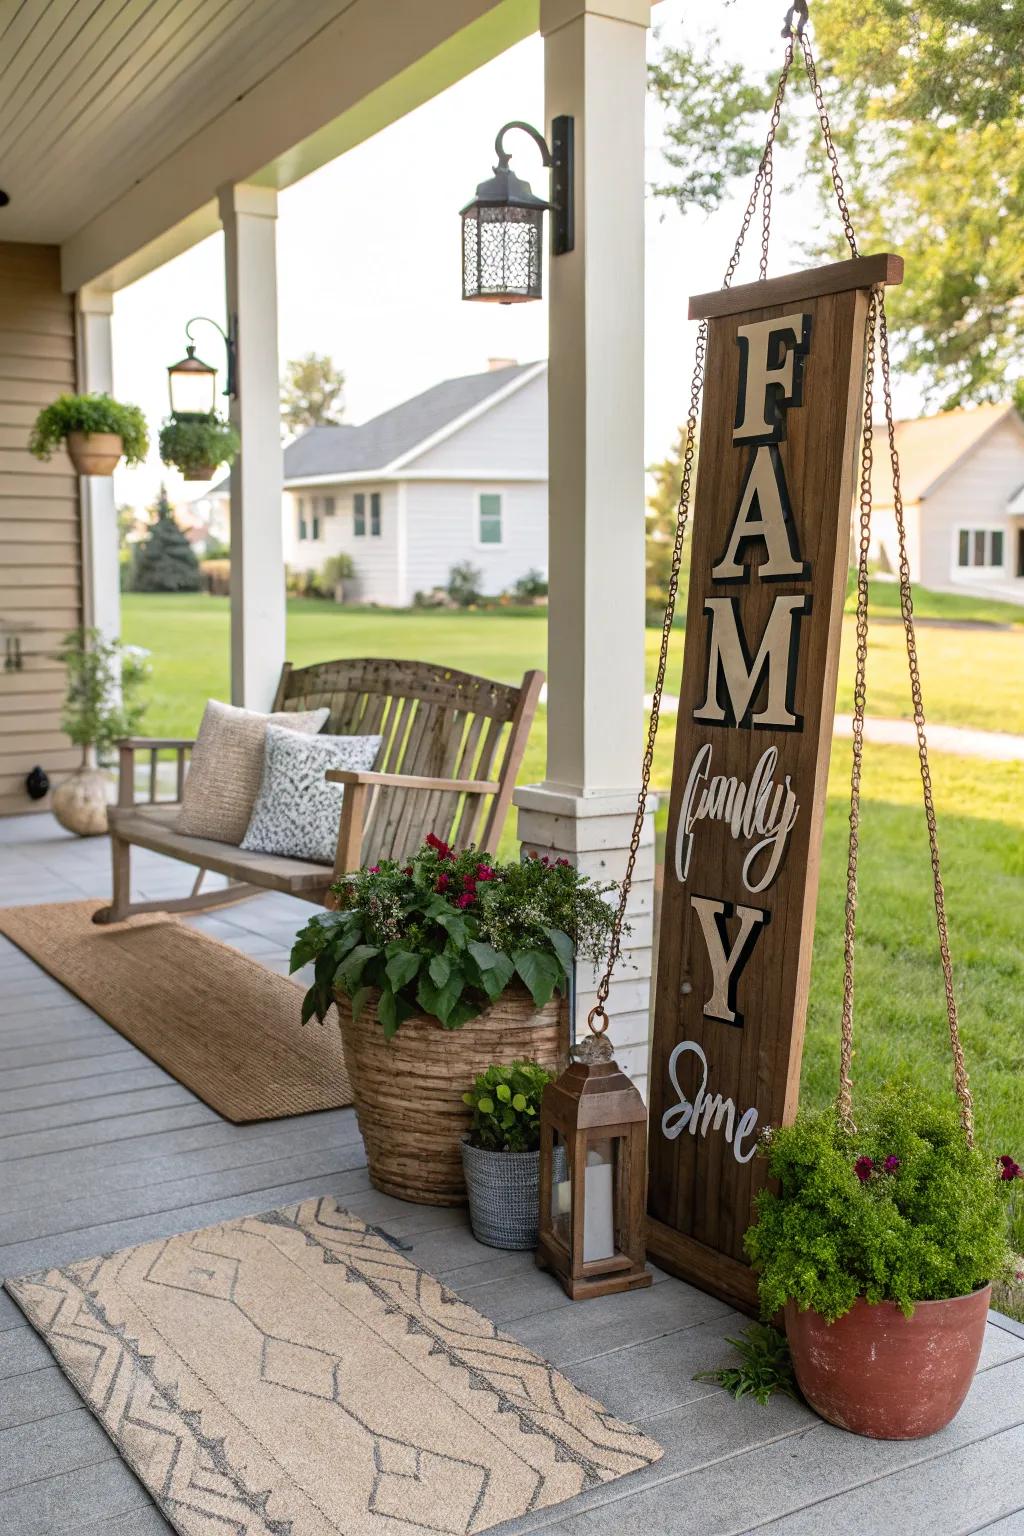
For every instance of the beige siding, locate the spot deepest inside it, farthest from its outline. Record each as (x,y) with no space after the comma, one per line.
(40,564)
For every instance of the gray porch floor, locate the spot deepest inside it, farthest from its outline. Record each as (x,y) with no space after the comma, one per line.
(99,1149)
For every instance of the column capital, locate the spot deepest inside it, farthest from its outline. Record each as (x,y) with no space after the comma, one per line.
(555,14)
(245,197)
(91,300)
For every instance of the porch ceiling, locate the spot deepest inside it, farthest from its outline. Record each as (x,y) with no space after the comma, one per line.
(119,119)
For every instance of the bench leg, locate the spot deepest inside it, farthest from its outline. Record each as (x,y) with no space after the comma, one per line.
(121,871)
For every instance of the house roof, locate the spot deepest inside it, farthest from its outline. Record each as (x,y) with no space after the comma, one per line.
(929,448)
(396,433)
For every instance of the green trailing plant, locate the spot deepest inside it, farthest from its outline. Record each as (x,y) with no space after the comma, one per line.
(90,413)
(902,1211)
(506,1107)
(447,933)
(104,680)
(765,1366)
(192,443)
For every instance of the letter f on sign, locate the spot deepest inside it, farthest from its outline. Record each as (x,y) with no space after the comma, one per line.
(727,965)
(772,356)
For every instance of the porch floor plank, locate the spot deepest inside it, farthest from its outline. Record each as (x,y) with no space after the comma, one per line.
(100,1149)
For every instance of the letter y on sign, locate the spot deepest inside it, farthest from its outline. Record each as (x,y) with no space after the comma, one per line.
(727,965)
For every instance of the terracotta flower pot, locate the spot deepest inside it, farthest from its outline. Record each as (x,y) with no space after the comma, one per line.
(200,472)
(408,1090)
(881,1374)
(94,453)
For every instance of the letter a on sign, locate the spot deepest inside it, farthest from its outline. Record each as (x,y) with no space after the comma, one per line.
(771,530)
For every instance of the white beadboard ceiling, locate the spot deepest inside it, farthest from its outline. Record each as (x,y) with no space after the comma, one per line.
(95,94)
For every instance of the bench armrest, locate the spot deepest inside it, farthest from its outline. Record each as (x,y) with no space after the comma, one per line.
(126,750)
(359,785)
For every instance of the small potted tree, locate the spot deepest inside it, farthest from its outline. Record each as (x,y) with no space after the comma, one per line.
(102,705)
(439,968)
(501,1153)
(96,430)
(880,1247)
(198,444)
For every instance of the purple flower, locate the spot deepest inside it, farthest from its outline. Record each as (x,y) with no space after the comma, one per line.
(863,1168)
(891,1163)
(1010,1169)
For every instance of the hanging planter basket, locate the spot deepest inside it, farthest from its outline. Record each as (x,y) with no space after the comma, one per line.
(196,445)
(96,431)
(94,453)
(200,472)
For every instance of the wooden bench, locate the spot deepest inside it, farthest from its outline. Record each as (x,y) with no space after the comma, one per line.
(452,746)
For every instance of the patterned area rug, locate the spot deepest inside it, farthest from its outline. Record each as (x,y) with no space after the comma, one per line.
(292,1373)
(218,1021)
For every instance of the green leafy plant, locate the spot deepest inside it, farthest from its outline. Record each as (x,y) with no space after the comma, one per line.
(506,1107)
(903,1211)
(464,583)
(198,442)
(448,933)
(531,585)
(104,679)
(166,561)
(765,1366)
(90,413)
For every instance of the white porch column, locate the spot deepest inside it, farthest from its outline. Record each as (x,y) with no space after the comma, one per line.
(595,70)
(101,582)
(249,216)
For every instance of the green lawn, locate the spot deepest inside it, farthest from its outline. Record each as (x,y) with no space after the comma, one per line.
(970,677)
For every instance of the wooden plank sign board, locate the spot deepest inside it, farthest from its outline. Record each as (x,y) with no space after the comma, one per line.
(771,535)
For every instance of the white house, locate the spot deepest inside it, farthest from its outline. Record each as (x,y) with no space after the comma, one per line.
(456,474)
(962,476)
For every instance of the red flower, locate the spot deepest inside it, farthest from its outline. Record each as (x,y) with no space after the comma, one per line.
(469,883)
(466,899)
(408,869)
(1010,1169)
(545,861)
(863,1168)
(561,863)
(891,1163)
(374,869)
(442,849)
(485,872)
(442,883)
(533,854)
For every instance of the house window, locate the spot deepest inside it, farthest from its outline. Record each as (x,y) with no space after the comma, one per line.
(1020,551)
(980,547)
(489,520)
(375,514)
(359,515)
(328,506)
(300,510)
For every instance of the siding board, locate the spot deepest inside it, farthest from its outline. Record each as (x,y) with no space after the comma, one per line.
(40,565)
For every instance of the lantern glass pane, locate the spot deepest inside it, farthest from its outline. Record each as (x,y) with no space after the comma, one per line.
(599,1200)
(502,253)
(561,1190)
(192,392)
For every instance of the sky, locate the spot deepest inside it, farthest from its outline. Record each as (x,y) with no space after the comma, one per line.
(369,264)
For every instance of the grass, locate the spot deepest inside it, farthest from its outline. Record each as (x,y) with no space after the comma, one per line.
(971,677)
(884,601)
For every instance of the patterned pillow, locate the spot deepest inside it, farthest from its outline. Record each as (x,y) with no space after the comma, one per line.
(297,811)
(224,773)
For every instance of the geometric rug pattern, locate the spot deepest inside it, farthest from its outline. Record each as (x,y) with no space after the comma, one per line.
(294,1374)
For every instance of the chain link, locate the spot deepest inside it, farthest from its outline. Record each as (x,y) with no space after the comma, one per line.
(830,148)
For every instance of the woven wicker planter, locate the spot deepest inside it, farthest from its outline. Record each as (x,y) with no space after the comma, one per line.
(503,1199)
(408,1091)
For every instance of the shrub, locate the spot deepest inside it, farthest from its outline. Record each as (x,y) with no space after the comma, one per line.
(90,413)
(104,678)
(447,933)
(532,585)
(166,562)
(194,443)
(464,582)
(903,1211)
(335,570)
(506,1107)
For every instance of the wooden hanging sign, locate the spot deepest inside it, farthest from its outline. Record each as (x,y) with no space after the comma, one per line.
(775,486)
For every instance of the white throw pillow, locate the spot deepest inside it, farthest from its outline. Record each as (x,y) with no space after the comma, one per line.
(297,811)
(224,771)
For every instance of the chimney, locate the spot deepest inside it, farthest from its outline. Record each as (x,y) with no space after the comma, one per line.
(494,363)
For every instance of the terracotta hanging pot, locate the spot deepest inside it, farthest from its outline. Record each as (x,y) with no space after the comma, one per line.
(200,472)
(94,453)
(878,1373)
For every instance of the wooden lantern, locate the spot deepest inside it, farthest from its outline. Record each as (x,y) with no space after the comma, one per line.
(593,1168)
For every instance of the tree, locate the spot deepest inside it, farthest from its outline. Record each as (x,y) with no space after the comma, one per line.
(925,98)
(311,393)
(662,509)
(166,562)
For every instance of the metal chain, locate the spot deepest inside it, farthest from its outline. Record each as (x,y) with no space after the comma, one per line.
(845,1101)
(830,148)
(763,176)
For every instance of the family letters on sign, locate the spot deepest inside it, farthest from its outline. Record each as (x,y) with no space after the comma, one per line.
(771,525)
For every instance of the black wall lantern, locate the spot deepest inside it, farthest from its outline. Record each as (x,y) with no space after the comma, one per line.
(191,383)
(502,254)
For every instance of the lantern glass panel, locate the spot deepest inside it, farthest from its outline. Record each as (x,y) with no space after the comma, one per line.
(561,1190)
(502,253)
(192,389)
(599,1200)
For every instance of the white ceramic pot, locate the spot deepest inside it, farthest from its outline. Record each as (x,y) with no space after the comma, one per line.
(80,803)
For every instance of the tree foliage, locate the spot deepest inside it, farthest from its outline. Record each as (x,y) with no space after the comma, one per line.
(925,99)
(311,393)
(166,562)
(662,507)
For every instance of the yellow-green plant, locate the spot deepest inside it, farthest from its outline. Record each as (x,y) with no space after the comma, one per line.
(506,1107)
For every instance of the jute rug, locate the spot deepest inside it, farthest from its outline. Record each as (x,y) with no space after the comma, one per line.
(218,1021)
(292,1373)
